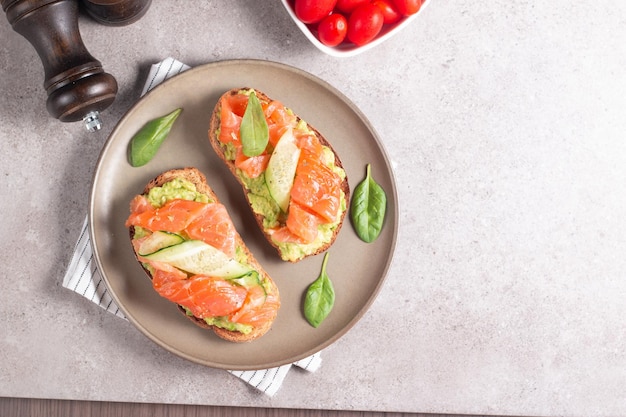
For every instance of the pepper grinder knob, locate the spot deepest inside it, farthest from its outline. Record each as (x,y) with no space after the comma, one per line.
(77,86)
(116,12)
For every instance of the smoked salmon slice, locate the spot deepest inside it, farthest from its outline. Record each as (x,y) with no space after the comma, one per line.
(208,222)
(232,120)
(253,166)
(284,235)
(308,143)
(258,308)
(317,188)
(173,216)
(214,227)
(302,223)
(139,204)
(203,296)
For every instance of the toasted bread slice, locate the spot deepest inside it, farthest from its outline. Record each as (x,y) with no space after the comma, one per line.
(198,179)
(292,251)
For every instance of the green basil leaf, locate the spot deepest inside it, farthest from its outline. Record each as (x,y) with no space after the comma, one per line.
(319,298)
(254,131)
(367,208)
(147,141)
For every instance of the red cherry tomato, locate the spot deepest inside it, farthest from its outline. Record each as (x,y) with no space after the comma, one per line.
(347,6)
(332,29)
(364,23)
(312,11)
(408,7)
(390,13)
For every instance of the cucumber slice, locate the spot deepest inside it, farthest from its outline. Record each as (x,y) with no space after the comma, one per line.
(157,241)
(251,279)
(197,257)
(281,169)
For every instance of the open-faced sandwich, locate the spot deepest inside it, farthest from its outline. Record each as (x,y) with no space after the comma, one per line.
(293,179)
(187,244)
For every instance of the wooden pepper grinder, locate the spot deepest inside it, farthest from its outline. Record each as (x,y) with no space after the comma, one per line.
(116,12)
(77,86)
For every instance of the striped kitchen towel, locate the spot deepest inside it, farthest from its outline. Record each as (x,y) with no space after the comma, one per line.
(84,278)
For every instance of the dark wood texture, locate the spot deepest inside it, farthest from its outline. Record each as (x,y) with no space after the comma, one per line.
(116,12)
(75,81)
(22,407)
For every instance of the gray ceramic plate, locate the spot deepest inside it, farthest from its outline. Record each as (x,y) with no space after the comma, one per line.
(357,269)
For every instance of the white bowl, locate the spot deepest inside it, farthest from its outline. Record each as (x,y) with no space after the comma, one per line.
(347,49)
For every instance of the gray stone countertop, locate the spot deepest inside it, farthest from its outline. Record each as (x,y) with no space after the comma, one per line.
(505,123)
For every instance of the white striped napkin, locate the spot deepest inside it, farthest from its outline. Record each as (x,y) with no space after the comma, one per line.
(84,278)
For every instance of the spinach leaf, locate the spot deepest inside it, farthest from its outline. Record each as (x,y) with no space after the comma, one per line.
(147,141)
(367,209)
(254,131)
(319,298)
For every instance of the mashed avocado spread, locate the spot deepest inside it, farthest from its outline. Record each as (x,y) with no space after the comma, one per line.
(176,188)
(224,323)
